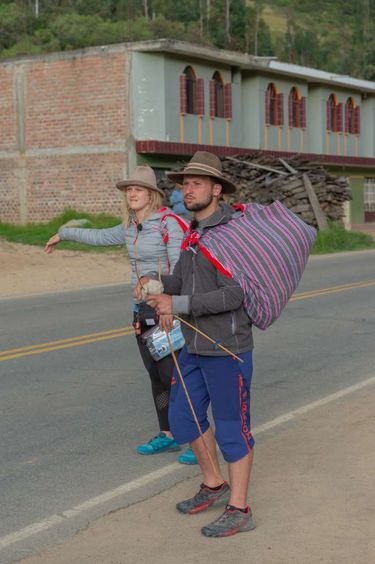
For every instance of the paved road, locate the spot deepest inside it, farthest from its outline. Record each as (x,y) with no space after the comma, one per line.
(70,416)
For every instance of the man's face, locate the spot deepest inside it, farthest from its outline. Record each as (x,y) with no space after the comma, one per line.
(199,192)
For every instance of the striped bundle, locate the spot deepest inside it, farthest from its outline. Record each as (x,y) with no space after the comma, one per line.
(266,251)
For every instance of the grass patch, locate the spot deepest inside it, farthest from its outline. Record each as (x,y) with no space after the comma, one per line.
(39,233)
(337,239)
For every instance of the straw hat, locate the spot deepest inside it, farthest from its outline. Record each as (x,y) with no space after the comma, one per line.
(142,176)
(204,164)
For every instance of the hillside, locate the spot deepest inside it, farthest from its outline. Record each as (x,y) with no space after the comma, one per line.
(338,35)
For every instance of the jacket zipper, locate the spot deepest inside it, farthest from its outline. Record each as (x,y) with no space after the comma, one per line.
(195,320)
(234,328)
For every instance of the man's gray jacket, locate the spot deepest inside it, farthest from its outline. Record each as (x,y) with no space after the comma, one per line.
(208,299)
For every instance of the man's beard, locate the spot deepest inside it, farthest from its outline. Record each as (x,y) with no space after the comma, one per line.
(199,206)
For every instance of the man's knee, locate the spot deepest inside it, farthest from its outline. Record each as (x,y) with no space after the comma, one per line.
(235,441)
(183,426)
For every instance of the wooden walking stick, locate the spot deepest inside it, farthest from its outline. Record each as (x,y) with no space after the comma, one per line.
(178,369)
(208,337)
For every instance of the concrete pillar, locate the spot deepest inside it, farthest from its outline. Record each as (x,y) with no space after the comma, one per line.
(21,141)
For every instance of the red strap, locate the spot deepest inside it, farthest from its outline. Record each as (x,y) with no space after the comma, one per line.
(217,264)
(184,226)
(240,207)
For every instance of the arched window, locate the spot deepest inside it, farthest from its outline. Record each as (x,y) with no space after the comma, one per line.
(274,111)
(191,93)
(217,96)
(297,109)
(352,117)
(334,114)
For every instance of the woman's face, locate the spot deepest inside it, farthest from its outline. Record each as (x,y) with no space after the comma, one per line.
(137,197)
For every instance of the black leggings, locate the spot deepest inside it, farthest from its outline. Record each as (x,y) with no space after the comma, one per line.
(160,371)
(160,375)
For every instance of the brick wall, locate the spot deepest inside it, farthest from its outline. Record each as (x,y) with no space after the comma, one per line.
(81,182)
(9,195)
(63,133)
(7,110)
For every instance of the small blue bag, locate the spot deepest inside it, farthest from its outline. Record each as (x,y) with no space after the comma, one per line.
(157,343)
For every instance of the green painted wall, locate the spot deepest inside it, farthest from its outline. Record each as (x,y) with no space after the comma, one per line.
(367,138)
(148,95)
(357,206)
(252,118)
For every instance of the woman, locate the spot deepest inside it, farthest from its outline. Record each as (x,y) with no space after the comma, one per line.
(149,251)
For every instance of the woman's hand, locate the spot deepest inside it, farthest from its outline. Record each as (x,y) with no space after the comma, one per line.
(50,247)
(137,293)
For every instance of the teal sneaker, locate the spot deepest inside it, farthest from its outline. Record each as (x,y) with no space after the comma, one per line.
(187,457)
(160,443)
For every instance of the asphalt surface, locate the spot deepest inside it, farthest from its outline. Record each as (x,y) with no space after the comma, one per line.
(70,418)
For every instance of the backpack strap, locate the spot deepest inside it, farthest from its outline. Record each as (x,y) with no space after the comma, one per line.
(217,264)
(163,224)
(192,240)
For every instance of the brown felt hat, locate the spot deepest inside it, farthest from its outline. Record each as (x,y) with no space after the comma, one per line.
(142,176)
(204,163)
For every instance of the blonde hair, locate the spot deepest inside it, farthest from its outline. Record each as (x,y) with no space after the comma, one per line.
(155,203)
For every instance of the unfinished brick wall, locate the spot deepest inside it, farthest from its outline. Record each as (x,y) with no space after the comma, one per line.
(81,182)
(63,133)
(7,109)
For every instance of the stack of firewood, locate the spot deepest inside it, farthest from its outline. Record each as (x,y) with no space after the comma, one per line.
(263,179)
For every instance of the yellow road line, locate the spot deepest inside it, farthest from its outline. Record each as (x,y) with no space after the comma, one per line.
(124,331)
(332,290)
(65,346)
(68,340)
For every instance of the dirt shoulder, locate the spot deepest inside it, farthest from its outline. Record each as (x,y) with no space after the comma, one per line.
(311,492)
(26,269)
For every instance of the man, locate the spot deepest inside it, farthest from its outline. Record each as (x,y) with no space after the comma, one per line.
(213,302)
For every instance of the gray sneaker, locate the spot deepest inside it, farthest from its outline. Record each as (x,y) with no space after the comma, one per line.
(205,498)
(232,521)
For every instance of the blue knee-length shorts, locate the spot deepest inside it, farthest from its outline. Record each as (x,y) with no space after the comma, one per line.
(225,383)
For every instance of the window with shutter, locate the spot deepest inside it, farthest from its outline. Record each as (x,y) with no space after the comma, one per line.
(290,108)
(200,96)
(334,114)
(338,116)
(352,117)
(296,109)
(280,110)
(267,107)
(302,113)
(328,115)
(228,100)
(272,106)
(183,97)
(217,106)
(191,90)
(212,99)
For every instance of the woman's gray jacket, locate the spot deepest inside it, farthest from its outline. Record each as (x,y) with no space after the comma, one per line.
(147,251)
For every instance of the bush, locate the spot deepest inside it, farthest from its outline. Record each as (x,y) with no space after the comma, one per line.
(336,239)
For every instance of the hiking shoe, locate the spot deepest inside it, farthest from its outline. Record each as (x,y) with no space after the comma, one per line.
(187,457)
(205,498)
(160,443)
(232,521)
